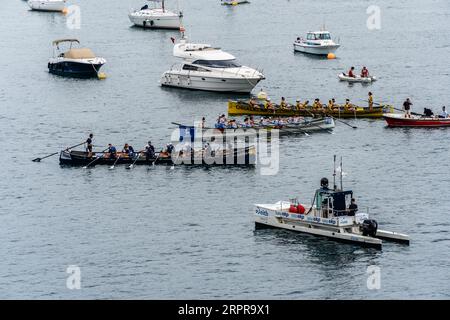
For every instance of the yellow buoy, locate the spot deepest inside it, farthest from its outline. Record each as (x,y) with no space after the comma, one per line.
(331,56)
(65,11)
(101,75)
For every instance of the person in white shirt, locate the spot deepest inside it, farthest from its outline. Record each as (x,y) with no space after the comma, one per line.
(444,113)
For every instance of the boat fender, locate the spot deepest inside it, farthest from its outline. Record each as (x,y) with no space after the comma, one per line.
(369,227)
(300,209)
(151,23)
(293,208)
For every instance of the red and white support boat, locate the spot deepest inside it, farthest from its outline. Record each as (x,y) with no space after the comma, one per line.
(399,120)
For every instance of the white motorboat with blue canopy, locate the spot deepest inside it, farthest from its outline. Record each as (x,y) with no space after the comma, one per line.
(156,16)
(207,68)
(332,214)
(316,42)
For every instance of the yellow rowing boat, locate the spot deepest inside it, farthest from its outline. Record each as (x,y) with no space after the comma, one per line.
(241,107)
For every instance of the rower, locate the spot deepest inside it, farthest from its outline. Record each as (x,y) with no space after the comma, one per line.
(170,148)
(317,104)
(149,151)
(407,108)
(269,104)
(298,105)
(370,101)
(444,113)
(203,122)
(262,95)
(283,104)
(364,72)
(89,145)
(348,106)
(330,105)
(350,72)
(112,151)
(126,149)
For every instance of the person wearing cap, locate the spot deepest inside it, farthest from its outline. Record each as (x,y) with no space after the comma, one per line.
(262,95)
(269,104)
(317,104)
(298,105)
(444,113)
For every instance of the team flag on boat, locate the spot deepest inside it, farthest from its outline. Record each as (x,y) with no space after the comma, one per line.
(187,133)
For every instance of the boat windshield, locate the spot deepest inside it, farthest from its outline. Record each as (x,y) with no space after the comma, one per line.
(218,63)
(318,36)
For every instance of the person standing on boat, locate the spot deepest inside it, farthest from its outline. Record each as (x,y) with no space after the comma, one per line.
(149,151)
(370,101)
(89,145)
(444,113)
(352,208)
(350,72)
(407,107)
(112,151)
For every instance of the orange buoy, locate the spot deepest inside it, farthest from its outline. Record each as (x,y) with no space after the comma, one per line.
(65,11)
(331,56)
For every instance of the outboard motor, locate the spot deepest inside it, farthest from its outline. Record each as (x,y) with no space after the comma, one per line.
(369,227)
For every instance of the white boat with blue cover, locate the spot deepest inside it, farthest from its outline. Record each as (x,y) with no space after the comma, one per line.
(331,215)
(316,42)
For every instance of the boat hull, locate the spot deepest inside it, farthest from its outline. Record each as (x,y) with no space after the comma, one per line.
(155,22)
(344,77)
(398,120)
(43,5)
(265,217)
(202,82)
(317,50)
(244,156)
(239,108)
(74,69)
(234,2)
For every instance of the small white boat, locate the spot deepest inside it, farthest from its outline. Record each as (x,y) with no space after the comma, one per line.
(234,2)
(47,5)
(316,42)
(210,69)
(345,77)
(156,17)
(329,216)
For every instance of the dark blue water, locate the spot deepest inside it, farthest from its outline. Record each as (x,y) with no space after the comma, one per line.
(188,232)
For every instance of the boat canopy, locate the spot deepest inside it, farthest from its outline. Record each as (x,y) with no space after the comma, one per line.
(196,51)
(79,53)
(56,42)
(318,35)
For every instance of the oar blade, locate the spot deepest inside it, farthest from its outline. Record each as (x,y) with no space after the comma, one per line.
(36,160)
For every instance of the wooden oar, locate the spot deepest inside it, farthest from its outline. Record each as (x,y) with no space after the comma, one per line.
(112,167)
(137,157)
(335,119)
(39,159)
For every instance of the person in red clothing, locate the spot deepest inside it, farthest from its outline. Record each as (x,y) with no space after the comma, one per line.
(364,72)
(350,72)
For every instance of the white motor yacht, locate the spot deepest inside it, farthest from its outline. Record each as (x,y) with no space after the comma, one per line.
(157,17)
(47,5)
(316,42)
(210,69)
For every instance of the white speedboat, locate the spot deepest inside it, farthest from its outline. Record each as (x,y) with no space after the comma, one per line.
(156,17)
(75,62)
(345,77)
(47,5)
(316,42)
(329,216)
(210,69)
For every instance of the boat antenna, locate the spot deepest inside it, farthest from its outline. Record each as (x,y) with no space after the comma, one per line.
(162,6)
(341,175)
(334,173)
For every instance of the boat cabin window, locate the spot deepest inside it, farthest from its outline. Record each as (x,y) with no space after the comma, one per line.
(193,68)
(318,36)
(218,63)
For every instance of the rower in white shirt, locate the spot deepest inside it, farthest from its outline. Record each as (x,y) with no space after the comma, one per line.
(444,113)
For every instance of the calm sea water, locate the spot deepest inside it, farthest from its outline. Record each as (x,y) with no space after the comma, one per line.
(189,232)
